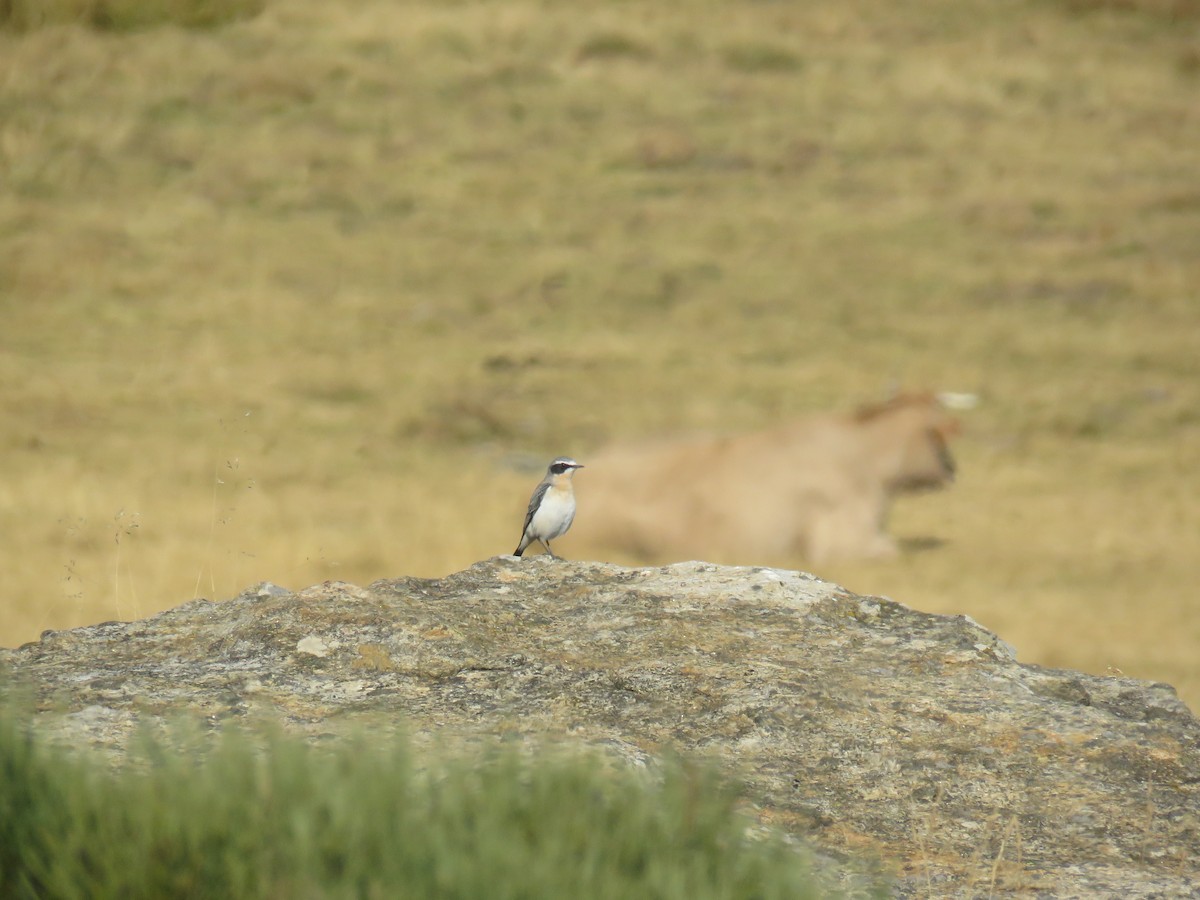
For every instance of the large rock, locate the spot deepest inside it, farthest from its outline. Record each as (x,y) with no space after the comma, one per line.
(866,726)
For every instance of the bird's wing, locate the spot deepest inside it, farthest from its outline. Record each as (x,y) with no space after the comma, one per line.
(534,502)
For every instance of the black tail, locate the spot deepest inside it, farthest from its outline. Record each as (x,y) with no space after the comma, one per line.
(518,551)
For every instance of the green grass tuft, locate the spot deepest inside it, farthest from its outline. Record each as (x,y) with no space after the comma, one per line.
(124,15)
(613,45)
(761,57)
(1170,9)
(267,815)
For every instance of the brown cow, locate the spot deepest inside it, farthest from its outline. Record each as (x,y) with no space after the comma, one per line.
(817,489)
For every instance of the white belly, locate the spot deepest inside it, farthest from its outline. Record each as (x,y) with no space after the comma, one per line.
(554,516)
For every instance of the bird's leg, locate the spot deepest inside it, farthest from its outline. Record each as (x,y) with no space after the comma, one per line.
(548,550)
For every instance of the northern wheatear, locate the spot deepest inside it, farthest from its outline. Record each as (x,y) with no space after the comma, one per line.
(552,506)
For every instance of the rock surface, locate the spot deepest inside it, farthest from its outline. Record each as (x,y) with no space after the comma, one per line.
(868,727)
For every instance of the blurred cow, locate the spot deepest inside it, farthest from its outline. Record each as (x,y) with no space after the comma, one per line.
(817,489)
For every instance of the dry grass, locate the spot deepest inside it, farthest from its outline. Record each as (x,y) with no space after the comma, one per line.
(300,297)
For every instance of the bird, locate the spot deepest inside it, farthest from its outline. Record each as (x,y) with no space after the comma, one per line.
(552,506)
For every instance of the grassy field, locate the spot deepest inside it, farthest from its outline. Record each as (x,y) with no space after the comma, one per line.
(314,294)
